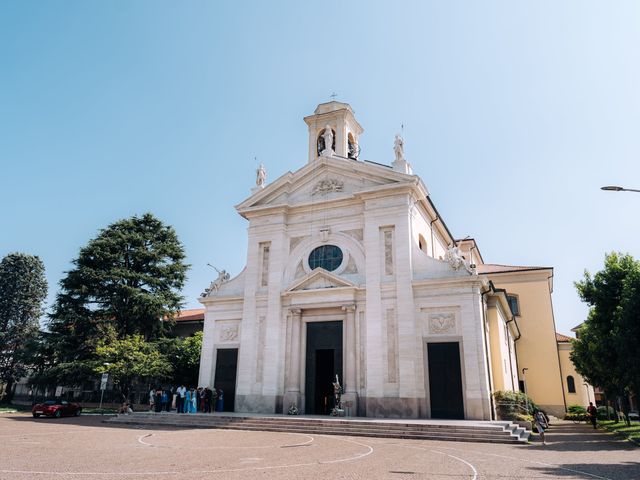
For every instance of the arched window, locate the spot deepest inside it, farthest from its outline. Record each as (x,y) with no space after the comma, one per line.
(422,243)
(571,384)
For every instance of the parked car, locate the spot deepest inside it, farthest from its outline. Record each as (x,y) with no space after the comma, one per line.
(56,408)
(634,416)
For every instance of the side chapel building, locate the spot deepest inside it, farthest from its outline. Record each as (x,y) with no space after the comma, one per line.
(352,272)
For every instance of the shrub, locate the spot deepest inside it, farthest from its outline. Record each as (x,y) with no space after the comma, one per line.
(580,417)
(510,404)
(577,409)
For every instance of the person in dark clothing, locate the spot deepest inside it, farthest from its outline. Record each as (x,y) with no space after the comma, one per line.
(158,400)
(208,398)
(592,412)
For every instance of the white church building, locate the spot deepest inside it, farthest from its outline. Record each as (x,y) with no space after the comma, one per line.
(352,272)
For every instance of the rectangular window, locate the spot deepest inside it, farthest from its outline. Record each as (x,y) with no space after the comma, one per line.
(514,304)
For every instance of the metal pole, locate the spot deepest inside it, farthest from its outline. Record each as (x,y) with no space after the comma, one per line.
(524,381)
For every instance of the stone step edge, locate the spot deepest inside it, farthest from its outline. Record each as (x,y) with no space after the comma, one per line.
(359,433)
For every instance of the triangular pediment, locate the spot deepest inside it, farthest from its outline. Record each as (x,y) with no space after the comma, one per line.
(325,179)
(319,279)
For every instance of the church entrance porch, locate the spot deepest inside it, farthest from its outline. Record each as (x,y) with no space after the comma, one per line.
(323,363)
(445,380)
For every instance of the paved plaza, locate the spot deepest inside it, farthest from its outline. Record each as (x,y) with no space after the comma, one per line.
(84,447)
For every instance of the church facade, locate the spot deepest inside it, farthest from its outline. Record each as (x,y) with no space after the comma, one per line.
(352,274)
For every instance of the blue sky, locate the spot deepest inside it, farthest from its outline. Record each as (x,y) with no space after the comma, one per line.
(514,114)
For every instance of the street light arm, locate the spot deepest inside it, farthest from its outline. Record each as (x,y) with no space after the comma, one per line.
(615,188)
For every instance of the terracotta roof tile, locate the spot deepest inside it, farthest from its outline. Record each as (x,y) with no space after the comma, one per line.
(190,315)
(497,268)
(563,338)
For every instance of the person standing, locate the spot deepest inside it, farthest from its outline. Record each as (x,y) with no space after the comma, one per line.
(592,412)
(220,401)
(208,397)
(180,393)
(158,400)
(541,424)
(193,406)
(152,399)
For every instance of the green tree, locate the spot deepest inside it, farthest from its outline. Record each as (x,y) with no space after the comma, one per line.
(129,277)
(23,289)
(184,355)
(131,360)
(606,352)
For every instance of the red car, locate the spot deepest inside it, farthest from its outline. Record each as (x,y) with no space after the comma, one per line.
(56,408)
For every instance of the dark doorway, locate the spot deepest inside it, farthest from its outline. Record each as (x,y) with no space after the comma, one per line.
(225,380)
(445,380)
(323,362)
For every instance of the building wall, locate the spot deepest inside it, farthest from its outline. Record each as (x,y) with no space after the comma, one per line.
(536,350)
(583,394)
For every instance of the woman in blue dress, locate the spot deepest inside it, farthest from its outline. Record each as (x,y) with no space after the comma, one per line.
(187,402)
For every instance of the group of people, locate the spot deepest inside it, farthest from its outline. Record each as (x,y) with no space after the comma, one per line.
(186,400)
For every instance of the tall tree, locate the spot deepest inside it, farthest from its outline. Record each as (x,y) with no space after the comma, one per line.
(129,277)
(131,360)
(606,352)
(23,289)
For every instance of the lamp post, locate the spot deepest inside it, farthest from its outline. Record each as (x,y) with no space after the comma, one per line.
(615,188)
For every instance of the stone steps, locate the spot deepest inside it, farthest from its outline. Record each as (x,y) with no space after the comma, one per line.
(486,432)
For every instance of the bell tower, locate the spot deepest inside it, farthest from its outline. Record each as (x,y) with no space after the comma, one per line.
(333,121)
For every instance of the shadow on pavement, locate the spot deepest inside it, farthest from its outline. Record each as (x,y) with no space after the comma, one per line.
(86,421)
(617,471)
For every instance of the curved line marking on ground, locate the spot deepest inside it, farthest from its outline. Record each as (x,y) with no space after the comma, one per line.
(533,461)
(185,472)
(303,444)
(475,472)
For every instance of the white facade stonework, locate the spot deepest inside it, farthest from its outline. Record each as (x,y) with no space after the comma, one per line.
(400,289)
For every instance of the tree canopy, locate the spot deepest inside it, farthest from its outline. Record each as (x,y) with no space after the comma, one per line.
(128,278)
(606,351)
(23,289)
(130,360)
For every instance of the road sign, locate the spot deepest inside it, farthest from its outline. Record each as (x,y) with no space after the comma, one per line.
(103,381)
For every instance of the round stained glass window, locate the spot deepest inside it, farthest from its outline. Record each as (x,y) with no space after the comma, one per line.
(328,257)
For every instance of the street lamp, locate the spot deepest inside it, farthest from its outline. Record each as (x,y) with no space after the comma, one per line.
(615,188)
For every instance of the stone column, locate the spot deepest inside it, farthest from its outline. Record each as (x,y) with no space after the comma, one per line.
(292,395)
(350,397)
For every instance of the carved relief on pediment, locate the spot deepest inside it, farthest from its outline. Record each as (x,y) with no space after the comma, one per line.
(441,323)
(327,186)
(228,332)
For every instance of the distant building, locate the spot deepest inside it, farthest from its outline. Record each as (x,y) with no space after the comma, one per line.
(352,272)
(189,322)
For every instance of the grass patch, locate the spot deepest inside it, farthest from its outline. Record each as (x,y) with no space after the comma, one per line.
(621,428)
(14,408)
(104,411)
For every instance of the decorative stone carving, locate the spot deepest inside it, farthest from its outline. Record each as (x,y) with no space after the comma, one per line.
(356,233)
(228,333)
(351,266)
(398,148)
(327,186)
(223,277)
(293,243)
(457,261)
(440,323)
(454,257)
(327,136)
(261,176)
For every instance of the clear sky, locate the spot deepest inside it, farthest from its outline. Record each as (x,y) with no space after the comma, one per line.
(514,114)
